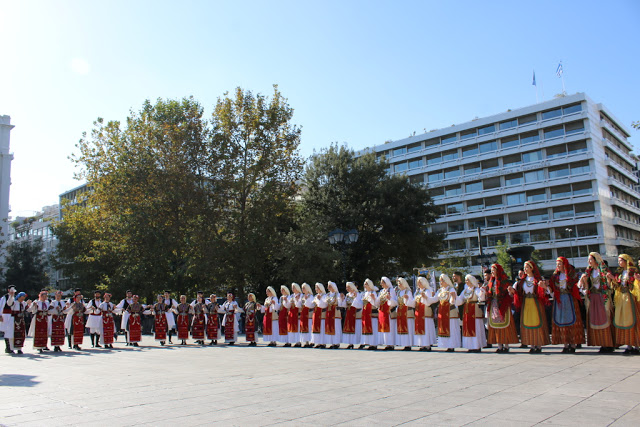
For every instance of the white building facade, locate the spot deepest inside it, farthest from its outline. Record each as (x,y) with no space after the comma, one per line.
(558,175)
(5,182)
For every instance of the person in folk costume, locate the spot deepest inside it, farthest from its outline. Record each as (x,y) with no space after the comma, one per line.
(473,335)
(6,319)
(74,322)
(405,321)
(270,319)
(486,276)
(306,308)
(625,316)
(250,308)
(231,311)
(502,330)
(183,310)
(566,320)
(530,298)
(293,317)
(170,305)
(94,318)
(333,317)
(56,310)
(122,308)
(67,320)
(134,321)
(19,311)
(424,329)
(594,283)
(213,324)
(352,329)
(448,315)
(159,313)
(369,327)
(40,326)
(108,322)
(199,320)
(318,318)
(283,316)
(385,301)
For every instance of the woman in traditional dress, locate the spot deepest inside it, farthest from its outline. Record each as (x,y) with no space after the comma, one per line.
(74,322)
(385,301)
(595,285)
(369,316)
(294,303)
(199,319)
(108,323)
(19,312)
(134,324)
(625,317)
(405,322)
(159,312)
(318,318)
(56,310)
(352,329)
(306,307)
(530,298)
(424,330)
(39,328)
(230,319)
(250,308)
(502,330)
(270,320)
(473,336)
(283,316)
(448,316)
(333,318)
(182,319)
(213,327)
(566,321)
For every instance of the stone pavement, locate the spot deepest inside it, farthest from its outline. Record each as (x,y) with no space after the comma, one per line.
(257,386)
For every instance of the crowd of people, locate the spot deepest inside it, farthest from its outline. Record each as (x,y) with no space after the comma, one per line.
(470,313)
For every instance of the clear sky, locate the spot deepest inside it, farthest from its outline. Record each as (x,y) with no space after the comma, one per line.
(356,72)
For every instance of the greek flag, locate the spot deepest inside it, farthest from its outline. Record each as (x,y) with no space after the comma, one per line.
(534,79)
(559,70)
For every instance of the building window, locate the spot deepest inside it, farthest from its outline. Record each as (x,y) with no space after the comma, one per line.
(449,155)
(545,254)
(431,142)
(399,151)
(496,239)
(532,156)
(487,129)
(517,218)
(515,199)
(471,133)
(540,235)
(574,127)
(564,232)
(449,138)
(577,147)
(488,165)
(455,227)
(581,188)
(562,212)
(475,205)
(519,238)
(553,132)
(551,114)
(437,192)
(472,187)
(585,209)
(512,160)
(538,215)
(534,196)
(400,167)
(457,244)
(474,224)
(508,124)
(488,147)
(435,176)
(454,208)
(558,171)
(414,147)
(580,167)
(417,179)
(471,168)
(585,230)
(556,151)
(453,190)
(413,164)
(493,202)
(451,173)
(509,142)
(534,176)
(560,191)
(471,150)
(530,118)
(433,159)
(529,137)
(572,109)
(491,183)
(513,179)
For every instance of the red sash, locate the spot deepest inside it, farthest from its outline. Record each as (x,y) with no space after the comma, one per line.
(77,322)
(267,324)
(229,330)
(57,330)
(350,321)
(384,319)
(402,325)
(329,321)
(367,325)
(135,328)
(316,321)
(443,319)
(108,328)
(19,332)
(183,326)
(282,320)
(293,320)
(160,326)
(212,326)
(197,330)
(304,320)
(250,327)
(41,334)
(469,320)
(419,313)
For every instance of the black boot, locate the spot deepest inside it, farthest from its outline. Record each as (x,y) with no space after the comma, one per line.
(8,349)
(69,340)
(98,341)
(93,344)
(170,334)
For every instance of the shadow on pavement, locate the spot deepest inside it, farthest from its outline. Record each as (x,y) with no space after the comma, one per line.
(15,380)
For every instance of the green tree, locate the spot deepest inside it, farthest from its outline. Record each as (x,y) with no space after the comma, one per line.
(503,258)
(25,266)
(391,215)
(451,263)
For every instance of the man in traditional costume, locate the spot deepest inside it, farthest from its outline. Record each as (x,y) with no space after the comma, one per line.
(6,319)
(170,304)
(19,311)
(122,307)
(94,320)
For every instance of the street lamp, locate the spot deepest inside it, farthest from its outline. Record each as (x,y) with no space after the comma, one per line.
(570,230)
(341,239)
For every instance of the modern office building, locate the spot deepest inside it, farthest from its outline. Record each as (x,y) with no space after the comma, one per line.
(558,175)
(5,181)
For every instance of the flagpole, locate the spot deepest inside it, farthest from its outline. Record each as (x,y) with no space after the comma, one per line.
(564,92)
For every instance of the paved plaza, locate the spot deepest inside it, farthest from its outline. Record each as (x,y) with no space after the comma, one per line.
(259,386)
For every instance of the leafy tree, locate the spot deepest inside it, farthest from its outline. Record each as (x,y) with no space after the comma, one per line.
(503,258)
(451,263)
(391,215)
(26,266)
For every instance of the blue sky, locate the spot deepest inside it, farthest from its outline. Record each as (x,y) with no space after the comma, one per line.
(356,72)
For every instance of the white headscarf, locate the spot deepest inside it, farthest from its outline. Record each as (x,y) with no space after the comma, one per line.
(472,279)
(332,285)
(321,286)
(296,287)
(273,291)
(352,286)
(386,281)
(284,290)
(446,279)
(402,283)
(373,287)
(305,286)
(424,281)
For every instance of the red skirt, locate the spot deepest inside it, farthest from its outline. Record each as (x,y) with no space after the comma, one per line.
(304,320)
(250,327)
(283,326)
(212,327)
(292,320)
(384,318)
(108,328)
(160,326)
(57,330)
(41,333)
(229,330)
(77,327)
(367,324)
(350,321)
(135,328)
(267,323)
(197,329)
(19,332)
(183,326)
